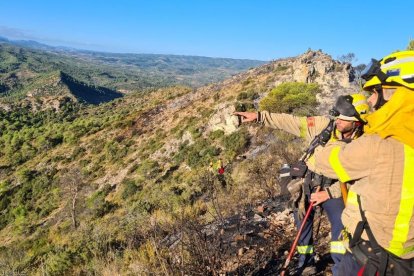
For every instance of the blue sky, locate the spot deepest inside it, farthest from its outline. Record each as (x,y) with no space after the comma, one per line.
(255,29)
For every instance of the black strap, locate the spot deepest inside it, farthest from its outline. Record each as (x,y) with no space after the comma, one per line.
(383,257)
(308,183)
(329,192)
(357,234)
(363,225)
(367,229)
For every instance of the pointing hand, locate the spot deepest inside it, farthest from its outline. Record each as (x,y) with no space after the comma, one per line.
(246,116)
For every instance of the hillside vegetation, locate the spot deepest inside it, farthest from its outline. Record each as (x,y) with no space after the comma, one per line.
(126,187)
(19,66)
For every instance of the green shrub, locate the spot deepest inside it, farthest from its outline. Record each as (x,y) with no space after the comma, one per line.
(70,138)
(235,143)
(281,68)
(216,96)
(4,204)
(195,132)
(182,152)
(292,97)
(200,153)
(247,95)
(77,151)
(149,169)
(216,134)
(143,206)
(154,144)
(243,106)
(206,112)
(114,151)
(248,81)
(25,175)
(98,204)
(4,187)
(57,263)
(97,146)
(130,187)
(194,158)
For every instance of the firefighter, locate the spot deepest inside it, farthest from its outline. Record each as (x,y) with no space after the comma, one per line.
(378,217)
(218,169)
(346,127)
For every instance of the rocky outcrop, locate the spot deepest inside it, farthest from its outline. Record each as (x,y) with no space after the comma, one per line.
(223,119)
(334,78)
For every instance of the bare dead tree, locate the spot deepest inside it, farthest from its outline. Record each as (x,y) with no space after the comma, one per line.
(72,183)
(348,58)
(211,184)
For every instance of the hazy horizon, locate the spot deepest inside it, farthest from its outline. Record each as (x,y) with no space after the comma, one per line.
(260,30)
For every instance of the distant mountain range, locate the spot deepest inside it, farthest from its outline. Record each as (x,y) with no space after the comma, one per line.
(33,44)
(23,61)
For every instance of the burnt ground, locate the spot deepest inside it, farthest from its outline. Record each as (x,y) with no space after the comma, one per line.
(257,241)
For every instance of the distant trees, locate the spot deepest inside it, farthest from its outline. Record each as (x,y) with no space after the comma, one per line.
(360,67)
(411,45)
(358,70)
(348,58)
(351,58)
(24,134)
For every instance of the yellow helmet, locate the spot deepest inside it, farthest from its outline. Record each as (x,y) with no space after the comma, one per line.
(359,101)
(394,69)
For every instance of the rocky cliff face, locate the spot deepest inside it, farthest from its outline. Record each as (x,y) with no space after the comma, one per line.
(334,77)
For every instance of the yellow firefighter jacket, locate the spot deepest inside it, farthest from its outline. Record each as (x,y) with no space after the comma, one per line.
(382,164)
(304,127)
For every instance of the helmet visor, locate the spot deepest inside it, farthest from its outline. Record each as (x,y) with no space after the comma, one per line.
(372,70)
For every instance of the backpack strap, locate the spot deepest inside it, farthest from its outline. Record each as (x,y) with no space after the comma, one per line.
(362,226)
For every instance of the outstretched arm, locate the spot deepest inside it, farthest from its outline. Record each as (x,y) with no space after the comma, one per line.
(305,127)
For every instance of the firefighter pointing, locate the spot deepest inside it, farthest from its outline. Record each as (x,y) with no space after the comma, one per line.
(345,126)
